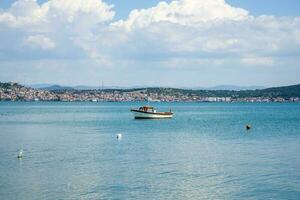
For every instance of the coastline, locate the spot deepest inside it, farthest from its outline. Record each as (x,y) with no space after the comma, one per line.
(16,92)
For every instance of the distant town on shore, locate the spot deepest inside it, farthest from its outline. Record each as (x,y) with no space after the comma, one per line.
(16,92)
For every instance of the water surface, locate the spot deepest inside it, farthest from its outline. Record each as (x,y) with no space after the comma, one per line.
(204,152)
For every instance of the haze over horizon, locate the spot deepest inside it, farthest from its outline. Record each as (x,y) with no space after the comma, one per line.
(184,43)
(80,87)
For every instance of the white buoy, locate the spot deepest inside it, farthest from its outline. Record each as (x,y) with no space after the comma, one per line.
(119,136)
(20,155)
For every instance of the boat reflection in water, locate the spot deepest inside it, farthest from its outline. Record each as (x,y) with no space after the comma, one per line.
(149,112)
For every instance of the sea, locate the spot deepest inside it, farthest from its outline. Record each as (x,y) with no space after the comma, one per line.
(70,151)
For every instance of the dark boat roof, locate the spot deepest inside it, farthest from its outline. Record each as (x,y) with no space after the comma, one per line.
(147,107)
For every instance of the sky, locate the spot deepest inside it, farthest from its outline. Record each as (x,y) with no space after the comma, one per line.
(183,43)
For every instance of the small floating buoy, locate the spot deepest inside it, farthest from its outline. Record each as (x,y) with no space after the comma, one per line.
(248,127)
(119,136)
(20,155)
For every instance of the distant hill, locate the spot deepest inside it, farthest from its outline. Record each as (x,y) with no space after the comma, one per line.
(234,87)
(38,86)
(274,92)
(10,85)
(16,92)
(286,91)
(52,87)
(85,87)
(88,87)
(47,86)
(57,88)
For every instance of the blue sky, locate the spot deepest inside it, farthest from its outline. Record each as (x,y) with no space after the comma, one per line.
(186,43)
(256,7)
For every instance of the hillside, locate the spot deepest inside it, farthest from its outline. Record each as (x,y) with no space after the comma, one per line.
(16,92)
(285,92)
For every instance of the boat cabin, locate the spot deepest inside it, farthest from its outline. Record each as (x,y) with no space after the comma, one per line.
(147,109)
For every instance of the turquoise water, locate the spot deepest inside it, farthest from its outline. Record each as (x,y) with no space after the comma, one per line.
(204,152)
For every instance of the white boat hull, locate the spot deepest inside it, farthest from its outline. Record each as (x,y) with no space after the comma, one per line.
(144,115)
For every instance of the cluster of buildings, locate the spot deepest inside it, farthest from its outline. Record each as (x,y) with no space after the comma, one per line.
(15,92)
(267,99)
(95,95)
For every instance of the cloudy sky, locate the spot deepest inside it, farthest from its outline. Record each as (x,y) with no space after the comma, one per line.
(183,43)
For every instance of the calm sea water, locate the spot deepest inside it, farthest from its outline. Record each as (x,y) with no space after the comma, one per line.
(204,152)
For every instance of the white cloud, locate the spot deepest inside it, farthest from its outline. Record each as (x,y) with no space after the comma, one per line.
(182,34)
(184,12)
(183,28)
(27,13)
(205,29)
(40,41)
(64,21)
(258,61)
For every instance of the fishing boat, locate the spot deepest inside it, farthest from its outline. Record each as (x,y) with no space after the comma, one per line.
(149,112)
